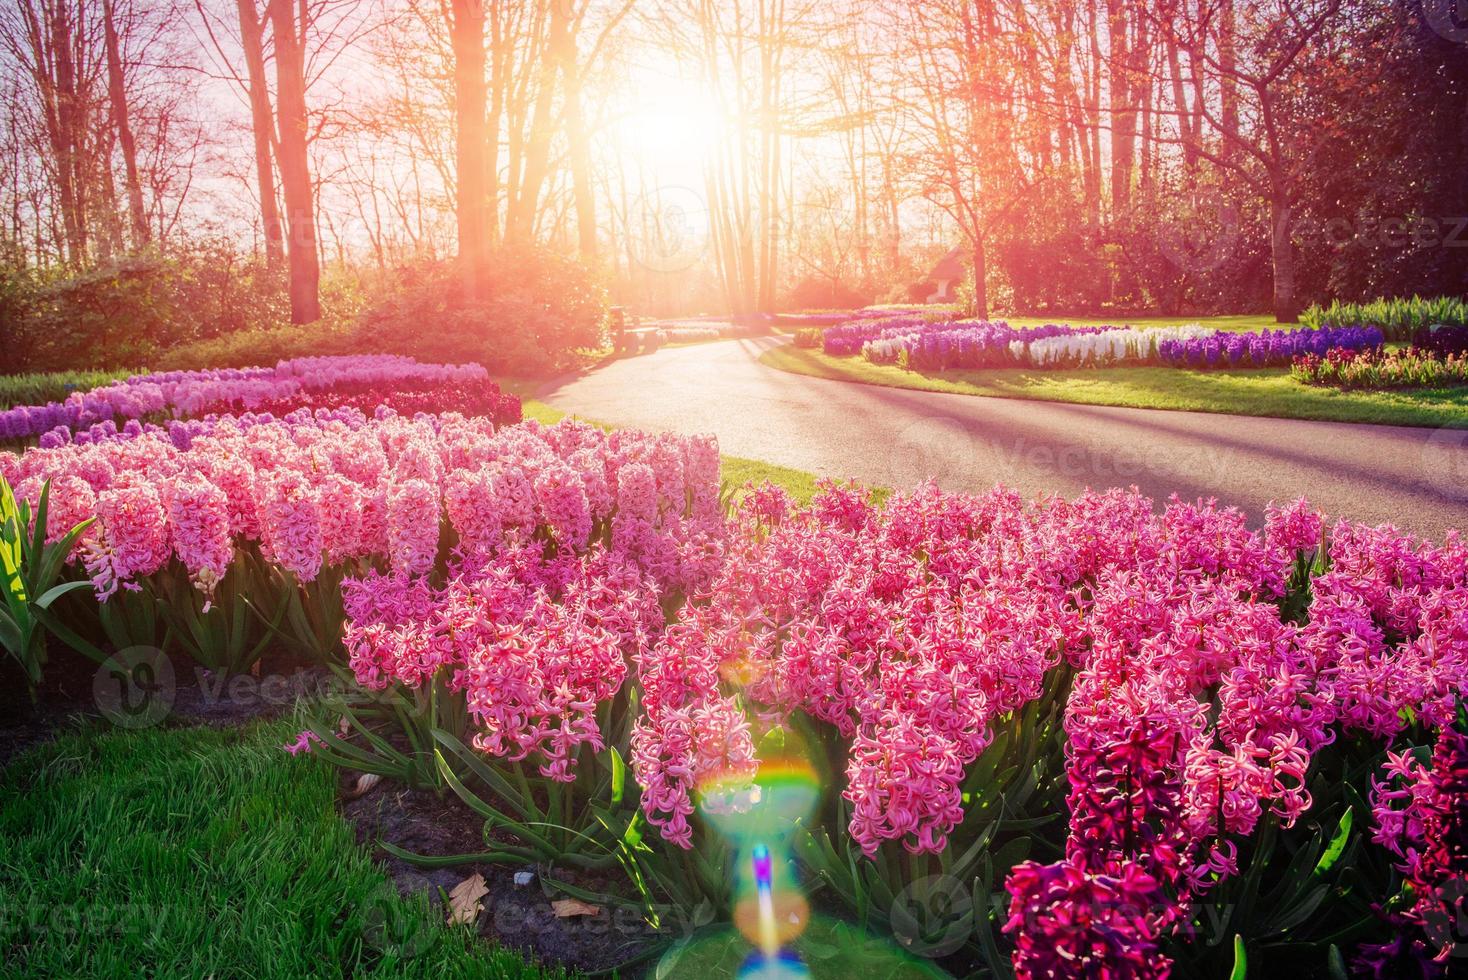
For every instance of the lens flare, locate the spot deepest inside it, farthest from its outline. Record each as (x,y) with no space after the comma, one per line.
(758,811)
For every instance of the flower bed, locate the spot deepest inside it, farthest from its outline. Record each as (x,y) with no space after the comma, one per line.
(1114,346)
(846,339)
(1440,338)
(1411,368)
(326,381)
(1267,348)
(922,344)
(920,341)
(265,511)
(1134,724)
(965,345)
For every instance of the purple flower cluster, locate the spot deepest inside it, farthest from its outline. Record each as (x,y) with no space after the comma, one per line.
(980,345)
(846,339)
(1267,348)
(939,344)
(190,393)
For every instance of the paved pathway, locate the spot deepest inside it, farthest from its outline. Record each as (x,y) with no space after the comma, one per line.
(1416,479)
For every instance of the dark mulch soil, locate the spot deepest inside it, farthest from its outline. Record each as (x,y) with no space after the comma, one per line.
(519,917)
(74,693)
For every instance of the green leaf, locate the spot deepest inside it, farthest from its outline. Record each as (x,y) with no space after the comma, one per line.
(56,592)
(11,638)
(773,742)
(1336,963)
(619,775)
(1337,843)
(1241,960)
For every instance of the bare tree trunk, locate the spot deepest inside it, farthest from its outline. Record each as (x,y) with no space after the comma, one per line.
(1091,129)
(1228,83)
(295,163)
(252,41)
(472,201)
(520,219)
(117,94)
(1286,306)
(981,277)
(1186,126)
(64,121)
(1123,108)
(578,144)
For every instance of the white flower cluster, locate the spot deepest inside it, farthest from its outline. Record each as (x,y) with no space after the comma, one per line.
(1109,346)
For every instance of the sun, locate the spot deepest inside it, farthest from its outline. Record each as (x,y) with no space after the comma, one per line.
(672,128)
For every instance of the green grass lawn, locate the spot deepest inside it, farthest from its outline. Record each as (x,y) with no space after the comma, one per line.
(199,852)
(1263,391)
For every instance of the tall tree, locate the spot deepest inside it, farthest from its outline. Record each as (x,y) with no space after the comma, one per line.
(252,43)
(473,204)
(1261,65)
(117,97)
(288,30)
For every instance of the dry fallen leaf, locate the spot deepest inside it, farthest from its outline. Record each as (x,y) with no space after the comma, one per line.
(464,900)
(364,785)
(343,727)
(568,907)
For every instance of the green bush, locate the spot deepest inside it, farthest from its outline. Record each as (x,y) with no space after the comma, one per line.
(1398,319)
(262,346)
(133,310)
(540,309)
(808,337)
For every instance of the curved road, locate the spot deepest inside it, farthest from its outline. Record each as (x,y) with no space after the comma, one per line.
(1416,479)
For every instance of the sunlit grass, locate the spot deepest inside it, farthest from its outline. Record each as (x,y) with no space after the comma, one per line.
(1267,391)
(199,852)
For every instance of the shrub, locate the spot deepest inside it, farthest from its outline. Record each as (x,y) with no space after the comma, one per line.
(262,346)
(808,337)
(112,316)
(131,311)
(540,309)
(1398,319)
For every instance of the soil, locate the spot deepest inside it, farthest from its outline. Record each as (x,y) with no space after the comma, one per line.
(516,916)
(72,695)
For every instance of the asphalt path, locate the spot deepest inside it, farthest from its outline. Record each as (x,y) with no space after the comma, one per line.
(1414,478)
